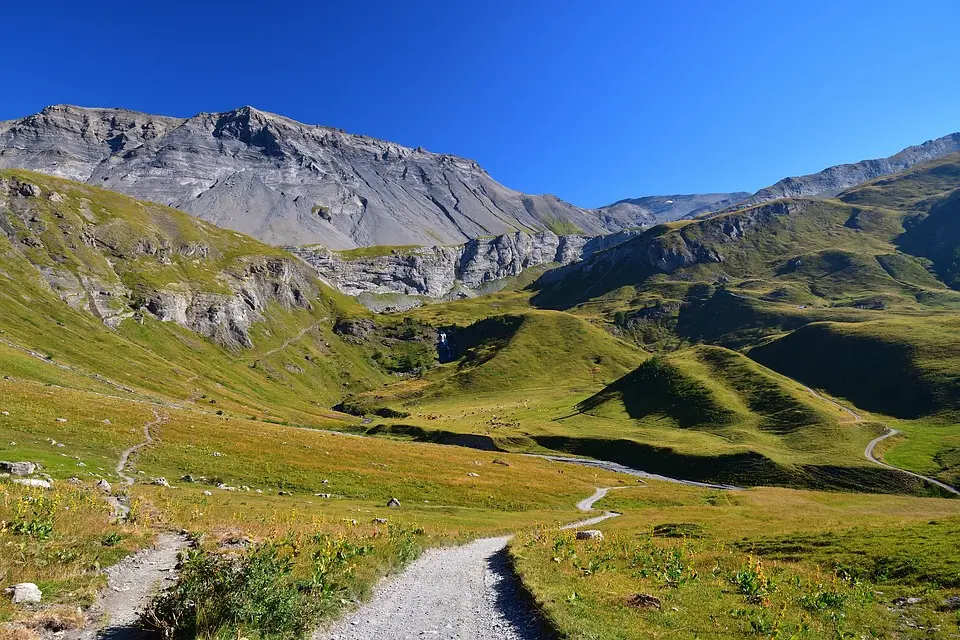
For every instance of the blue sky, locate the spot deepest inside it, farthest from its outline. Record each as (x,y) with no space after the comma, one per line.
(592,101)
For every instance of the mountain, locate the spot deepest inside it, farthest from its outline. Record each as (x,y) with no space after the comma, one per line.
(833,180)
(651,210)
(282,181)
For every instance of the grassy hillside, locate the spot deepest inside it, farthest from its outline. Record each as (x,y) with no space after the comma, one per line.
(763,563)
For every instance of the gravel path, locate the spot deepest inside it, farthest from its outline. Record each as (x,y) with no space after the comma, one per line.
(130,585)
(868,451)
(619,468)
(464,593)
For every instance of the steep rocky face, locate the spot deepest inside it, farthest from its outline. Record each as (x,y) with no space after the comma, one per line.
(281,181)
(147,263)
(450,271)
(652,210)
(833,180)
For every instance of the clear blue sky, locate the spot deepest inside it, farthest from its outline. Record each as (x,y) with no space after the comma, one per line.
(593,101)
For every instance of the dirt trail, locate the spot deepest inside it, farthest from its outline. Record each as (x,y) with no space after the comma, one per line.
(120,507)
(868,451)
(132,582)
(465,593)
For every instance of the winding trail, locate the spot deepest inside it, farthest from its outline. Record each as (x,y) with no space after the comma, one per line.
(619,468)
(465,593)
(868,451)
(291,340)
(132,582)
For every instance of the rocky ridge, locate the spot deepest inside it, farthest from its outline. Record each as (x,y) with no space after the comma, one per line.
(833,180)
(281,181)
(444,272)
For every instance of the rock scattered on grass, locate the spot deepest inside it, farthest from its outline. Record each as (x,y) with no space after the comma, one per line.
(104,486)
(902,602)
(502,463)
(393,502)
(590,534)
(18,468)
(643,601)
(473,475)
(208,493)
(37,483)
(61,420)
(160,482)
(380,521)
(952,603)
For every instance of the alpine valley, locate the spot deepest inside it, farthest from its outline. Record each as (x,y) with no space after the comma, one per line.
(308,359)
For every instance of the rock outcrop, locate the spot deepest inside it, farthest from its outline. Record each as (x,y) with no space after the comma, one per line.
(282,181)
(118,268)
(450,271)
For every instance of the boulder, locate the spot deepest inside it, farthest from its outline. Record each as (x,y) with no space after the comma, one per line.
(952,603)
(26,593)
(473,475)
(160,482)
(393,502)
(379,521)
(18,468)
(502,463)
(104,486)
(590,534)
(208,493)
(33,482)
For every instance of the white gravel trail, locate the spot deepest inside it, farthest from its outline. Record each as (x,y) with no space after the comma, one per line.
(459,593)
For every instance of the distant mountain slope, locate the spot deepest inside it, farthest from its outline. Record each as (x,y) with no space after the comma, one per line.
(833,180)
(651,210)
(281,181)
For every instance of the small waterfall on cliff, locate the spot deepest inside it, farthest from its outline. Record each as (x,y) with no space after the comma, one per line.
(444,351)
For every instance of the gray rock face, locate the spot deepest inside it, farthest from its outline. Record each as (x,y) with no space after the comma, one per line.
(451,271)
(244,290)
(833,180)
(281,181)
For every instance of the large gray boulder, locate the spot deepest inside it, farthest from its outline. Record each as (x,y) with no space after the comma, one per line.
(26,593)
(18,468)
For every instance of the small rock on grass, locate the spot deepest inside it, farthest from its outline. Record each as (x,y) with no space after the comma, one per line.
(643,601)
(393,502)
(590,534)
(104,486)
(25,593)
(33,482)
(902,602)
(952,603)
